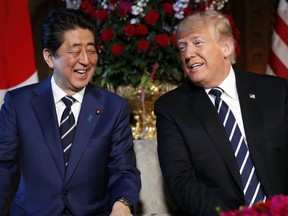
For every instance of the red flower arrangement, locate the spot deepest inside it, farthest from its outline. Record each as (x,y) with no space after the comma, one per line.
(275,206)
(137,41)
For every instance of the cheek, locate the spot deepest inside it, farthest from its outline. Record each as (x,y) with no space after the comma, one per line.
(66,61)
(94,60)
(71,61)
(182,57)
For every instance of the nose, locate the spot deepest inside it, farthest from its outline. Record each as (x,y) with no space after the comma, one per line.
(189,53)
(83,58)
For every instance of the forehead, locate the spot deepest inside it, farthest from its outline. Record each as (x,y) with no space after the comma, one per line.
(189,25)
(199,30)
(78,34)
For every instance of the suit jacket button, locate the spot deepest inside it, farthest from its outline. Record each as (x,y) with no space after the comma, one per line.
(65,192)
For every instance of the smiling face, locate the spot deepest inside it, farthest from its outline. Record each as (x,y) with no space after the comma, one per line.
(205,58)
(75,61)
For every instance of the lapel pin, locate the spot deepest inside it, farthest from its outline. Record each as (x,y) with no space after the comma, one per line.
(97,111)
(90,118)
(252,96)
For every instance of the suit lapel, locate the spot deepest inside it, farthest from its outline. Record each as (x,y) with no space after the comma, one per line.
(204,109)
(44,108)
(253,121)
(86,124)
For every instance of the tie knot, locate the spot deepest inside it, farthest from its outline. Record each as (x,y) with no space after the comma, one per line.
(217,92)
(68,100)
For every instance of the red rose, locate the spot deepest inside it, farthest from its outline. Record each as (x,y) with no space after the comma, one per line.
(173,39)
(162,39)
(114,1)
(125,5)
(102,14)
(152,17)
(235,212)
(187,11)
(279,205)
(98,46)
(201,6)
(107,34)
(84,4)
(122,13)
(87,7)
(117,49)
(129,30)
(263,207)
(168,8)
(143,45)
(141,30)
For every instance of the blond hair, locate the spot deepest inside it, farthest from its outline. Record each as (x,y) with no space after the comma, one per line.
(200,19)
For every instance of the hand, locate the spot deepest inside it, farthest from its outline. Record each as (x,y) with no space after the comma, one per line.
(119,209)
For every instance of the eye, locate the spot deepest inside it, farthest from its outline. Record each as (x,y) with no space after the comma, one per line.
(91,49)
(182,47)
(198,42)
(74,53)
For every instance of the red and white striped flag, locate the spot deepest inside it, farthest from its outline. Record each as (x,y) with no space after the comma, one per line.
(17,62)
(278,58)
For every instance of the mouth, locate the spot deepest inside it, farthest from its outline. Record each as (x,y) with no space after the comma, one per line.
(195,66)
(81,71)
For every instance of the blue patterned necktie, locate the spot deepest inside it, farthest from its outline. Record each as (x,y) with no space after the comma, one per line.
(252,188)
(67,127)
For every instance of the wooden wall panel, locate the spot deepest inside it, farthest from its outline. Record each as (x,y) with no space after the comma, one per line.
(256,20)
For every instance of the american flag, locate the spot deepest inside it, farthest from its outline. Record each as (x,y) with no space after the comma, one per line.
(278,57)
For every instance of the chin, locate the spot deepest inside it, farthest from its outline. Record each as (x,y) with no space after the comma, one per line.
(78,86)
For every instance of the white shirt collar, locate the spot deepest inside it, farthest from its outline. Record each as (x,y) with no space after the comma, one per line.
(228,85)
(58,93)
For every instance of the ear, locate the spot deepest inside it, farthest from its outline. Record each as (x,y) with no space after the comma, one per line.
(48,57)
(227,48)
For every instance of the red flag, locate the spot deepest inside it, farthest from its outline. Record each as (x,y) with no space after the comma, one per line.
(278,58)
(17,63)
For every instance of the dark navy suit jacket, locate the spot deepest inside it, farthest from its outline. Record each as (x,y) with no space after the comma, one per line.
(102,165)
(195,154)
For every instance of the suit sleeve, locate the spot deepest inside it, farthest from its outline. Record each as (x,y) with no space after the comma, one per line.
(8,149)
(124,176)
(192,195)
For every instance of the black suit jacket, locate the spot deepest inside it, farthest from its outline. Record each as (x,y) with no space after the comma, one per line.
(195,154)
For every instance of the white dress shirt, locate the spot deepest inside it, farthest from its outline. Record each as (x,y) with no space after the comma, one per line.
(230,96)
(58,94)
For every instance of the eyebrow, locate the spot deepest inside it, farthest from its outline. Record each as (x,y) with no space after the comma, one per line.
(80,44)
(193,37)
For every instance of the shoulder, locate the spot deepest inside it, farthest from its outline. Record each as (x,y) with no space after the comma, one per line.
(105,94)
(170,95)
(260,78)
(262,82)
(24,93)
(175,97)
